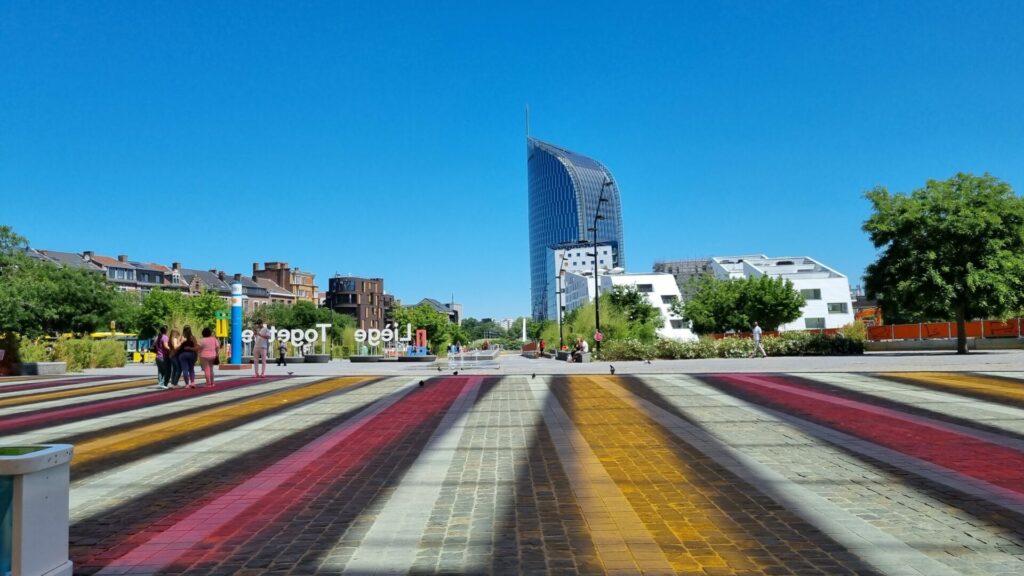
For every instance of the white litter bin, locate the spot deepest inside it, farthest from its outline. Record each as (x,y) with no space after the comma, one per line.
(34,485)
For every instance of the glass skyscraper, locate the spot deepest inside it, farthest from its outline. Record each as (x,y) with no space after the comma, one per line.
(564,188)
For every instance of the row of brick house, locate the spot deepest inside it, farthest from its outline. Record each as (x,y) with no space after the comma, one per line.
(275,282)
(362,298)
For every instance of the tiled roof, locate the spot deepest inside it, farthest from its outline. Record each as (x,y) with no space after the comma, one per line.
(273,288)
(208,279)
(70,259)
(111,262)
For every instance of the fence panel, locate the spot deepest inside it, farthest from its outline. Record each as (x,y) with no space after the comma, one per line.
(935,330)
(906,331)
(1008,329)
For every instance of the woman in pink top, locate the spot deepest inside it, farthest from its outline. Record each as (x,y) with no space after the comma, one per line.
(208,354)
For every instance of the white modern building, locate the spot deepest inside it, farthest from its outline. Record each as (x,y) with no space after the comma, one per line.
(661,291)
(826,292)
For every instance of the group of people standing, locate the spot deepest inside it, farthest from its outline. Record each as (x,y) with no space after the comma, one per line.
(176,356)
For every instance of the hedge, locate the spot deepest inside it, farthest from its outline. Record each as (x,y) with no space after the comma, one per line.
(786,344)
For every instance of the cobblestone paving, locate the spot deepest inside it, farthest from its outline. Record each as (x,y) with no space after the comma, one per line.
(829,473)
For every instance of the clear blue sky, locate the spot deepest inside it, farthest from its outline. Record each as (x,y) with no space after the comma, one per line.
(387,139)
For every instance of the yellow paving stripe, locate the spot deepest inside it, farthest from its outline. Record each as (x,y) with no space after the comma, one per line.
(992,387)
(149,434)
(701,517)
(84,391)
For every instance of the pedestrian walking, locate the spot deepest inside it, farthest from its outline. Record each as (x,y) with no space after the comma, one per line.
(260,344)
(209,354)
(187,356)
(757,342)
(163,359)
(281,349)
(542,346)
(174,343)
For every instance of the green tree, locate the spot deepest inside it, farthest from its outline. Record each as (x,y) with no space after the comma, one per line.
(722,305)
(711,307)
(424,316)
(951,250)
(769,301)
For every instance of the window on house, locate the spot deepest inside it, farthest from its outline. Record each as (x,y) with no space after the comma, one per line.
(837,308)
(811,293)
(644,288)
(668,299)
(677,323)
(814,323)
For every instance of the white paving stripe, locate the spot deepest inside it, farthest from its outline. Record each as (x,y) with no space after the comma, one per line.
(390,545)
(886,553)
(53,433)
(595,489)
(111,488)
(992,414)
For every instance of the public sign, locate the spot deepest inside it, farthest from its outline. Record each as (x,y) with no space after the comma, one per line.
(598,336)
(222,327)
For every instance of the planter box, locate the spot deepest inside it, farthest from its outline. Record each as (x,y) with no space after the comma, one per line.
(318,358)
(42,368)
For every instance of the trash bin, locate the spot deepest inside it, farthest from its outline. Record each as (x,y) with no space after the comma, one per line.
(34,484)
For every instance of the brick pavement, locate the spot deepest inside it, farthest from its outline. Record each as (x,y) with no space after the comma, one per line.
(829,473)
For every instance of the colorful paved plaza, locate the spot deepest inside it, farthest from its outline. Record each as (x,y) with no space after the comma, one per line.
(916,473)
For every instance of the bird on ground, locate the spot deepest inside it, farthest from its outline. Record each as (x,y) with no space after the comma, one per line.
(438,368)
(612,369)
(648,361)
(456,373)
(421,383)
(533,376)
(290,373)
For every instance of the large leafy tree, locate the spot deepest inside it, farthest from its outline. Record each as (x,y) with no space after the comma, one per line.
(39,298)
(424,316)
(721,305)
(953,250)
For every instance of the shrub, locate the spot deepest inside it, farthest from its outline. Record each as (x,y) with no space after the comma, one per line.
(106,354)
(621,350)
(33,351)
(77,354)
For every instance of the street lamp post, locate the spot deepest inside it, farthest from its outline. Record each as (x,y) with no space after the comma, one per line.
(597,287)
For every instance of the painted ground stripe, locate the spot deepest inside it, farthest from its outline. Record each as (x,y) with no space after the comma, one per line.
(997,467)
(622,541)
(882,550)
(79,380)
(705,518)
(390,544)
(60,394)
(373,430)
(150,435)
(83,430)
(96,496)
(984,387)
(960,410)
(55,416)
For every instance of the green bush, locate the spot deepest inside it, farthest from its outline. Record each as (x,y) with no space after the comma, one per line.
(631,349)
(787,344)
(107,354)
(77,354)
(33,351)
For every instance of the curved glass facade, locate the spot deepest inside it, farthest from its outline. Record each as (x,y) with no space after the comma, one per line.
(564,188)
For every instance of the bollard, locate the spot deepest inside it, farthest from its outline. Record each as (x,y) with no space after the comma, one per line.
(34,496)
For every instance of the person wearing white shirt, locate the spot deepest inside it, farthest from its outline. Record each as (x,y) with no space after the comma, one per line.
(757,342)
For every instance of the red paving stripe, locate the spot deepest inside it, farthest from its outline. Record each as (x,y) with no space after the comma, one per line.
(62,382)
(277,488)
(919,437)
(65,415)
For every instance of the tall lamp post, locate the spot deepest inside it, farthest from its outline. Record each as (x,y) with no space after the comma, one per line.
(597,287)
(561,298)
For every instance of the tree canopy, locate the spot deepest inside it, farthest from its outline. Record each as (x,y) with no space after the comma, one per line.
(722,305)
(38,298)
(953,249)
